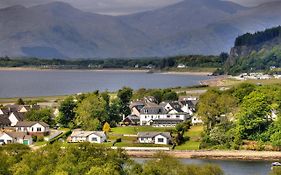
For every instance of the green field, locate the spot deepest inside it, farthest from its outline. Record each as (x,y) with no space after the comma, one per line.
(135,129)
(193,144)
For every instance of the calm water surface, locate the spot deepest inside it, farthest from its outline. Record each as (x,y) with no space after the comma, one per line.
(232,167)
(61,82)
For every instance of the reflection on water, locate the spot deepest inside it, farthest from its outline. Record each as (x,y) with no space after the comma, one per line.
(231,167)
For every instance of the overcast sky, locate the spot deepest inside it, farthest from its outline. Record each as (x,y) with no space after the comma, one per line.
(115,7)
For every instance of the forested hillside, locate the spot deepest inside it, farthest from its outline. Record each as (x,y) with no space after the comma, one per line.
(259,51)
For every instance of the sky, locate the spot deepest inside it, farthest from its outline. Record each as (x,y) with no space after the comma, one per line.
(116,7)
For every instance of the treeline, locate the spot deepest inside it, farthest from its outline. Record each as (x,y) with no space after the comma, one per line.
(249,39)
(87,159)
(158,63)
(243,117)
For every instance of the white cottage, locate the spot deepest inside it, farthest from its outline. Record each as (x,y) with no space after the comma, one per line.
(163,138)
(88,136)
(15,137)
(33,127)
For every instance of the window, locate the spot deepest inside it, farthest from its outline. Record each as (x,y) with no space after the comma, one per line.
(38,129)
(94,139)
(178,116)
(160,140)
(142,139)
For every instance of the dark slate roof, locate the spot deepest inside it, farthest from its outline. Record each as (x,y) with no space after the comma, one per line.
(153,134)
(4,120)
(19,115)
(176,106)
(5,111)
(30,123)
(12,108)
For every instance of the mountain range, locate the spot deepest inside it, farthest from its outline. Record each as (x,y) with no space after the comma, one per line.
(58,30)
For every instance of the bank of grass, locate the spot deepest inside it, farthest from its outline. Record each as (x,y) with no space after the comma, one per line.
(194,134)
(135,129)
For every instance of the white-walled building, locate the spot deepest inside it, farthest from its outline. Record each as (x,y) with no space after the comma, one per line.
(154,137)
(16,117)
(158,116)
(32,127)
(15,137)
(88,136)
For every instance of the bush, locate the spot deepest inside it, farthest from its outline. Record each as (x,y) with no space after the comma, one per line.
(40,139)
(34,138)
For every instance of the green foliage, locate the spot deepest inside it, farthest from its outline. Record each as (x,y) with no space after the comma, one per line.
(125,96)
(66,111)
(166,165)
(85,158)
(213,105)
(275,171)
(159,94)
(44,115)
(252,118)
(20,101)
(258,37)
(91,112)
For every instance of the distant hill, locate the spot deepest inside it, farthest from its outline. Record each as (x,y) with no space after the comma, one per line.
(189,27)
(257,51)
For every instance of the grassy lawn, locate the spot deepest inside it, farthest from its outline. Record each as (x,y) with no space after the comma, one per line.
(193,144)
(135,129)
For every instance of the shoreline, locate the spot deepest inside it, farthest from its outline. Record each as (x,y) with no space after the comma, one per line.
(106,70)
(214,155)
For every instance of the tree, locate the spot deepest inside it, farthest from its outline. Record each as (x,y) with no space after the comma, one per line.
(20,101)
(125,96)
(181,128)
(213,105)
(170,96)
(252,118)
(114,116)
(106,127)
(91,112)
(66,111)
(44,115)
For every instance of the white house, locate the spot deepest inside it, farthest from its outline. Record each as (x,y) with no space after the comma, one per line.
(33,127)
(158,116)
(154,137)
(181,66)
(15,137)
(88,136)
(16,117)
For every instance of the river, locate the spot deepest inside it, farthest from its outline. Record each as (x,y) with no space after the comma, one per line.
(230,167)
(30,83)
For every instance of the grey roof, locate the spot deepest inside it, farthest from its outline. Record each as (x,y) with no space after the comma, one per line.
(30,123)
(12,108)
(190,103)
(19,115)
(153,134)
(137,104)
(5,111)
(4,120)
(80,133)
(133,118)
(17,135)
(155,109)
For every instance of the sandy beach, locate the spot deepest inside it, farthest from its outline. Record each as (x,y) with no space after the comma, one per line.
(101,70)
(216,154)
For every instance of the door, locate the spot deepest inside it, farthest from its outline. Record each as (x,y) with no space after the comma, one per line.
(25,142)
